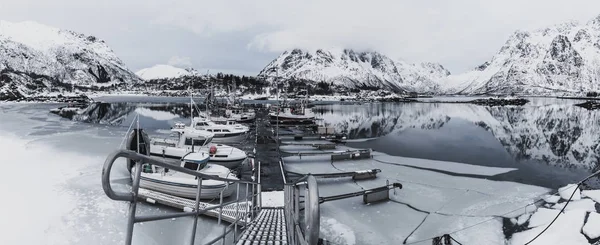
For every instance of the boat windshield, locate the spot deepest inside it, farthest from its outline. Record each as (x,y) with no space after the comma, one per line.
(194,166)
(195,142)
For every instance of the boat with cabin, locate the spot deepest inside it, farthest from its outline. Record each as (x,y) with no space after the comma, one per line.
(192,140)
(184,185)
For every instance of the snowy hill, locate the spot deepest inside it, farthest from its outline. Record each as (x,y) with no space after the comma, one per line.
(347,68)
(36,59)
(164,71)
(561,59)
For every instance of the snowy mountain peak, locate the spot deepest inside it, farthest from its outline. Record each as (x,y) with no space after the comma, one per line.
(36,59)
(164,71)
(560,59)
(353,69)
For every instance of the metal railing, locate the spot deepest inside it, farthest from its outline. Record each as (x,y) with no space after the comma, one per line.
(301,230)
(242,217)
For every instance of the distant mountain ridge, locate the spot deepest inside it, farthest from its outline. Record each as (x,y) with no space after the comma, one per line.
(165,71)
(351,69)
(36,59)
(562,59)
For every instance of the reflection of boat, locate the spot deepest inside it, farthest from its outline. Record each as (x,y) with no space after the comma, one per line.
(235,115)
(262,98)
(185,185)
(192,140)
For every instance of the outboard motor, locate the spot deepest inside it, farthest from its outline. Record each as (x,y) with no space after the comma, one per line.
(132,144)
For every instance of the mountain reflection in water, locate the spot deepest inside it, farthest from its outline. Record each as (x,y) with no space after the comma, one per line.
(550,141)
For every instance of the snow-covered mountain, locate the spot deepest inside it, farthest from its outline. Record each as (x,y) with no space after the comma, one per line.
(347,68)
(165,71)
(562,59)
(36,59)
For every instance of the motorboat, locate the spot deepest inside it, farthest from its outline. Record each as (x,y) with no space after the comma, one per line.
(184,185)
(229,132)
(193,140)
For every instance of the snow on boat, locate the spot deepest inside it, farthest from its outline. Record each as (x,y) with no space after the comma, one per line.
(185,185)
(192,140)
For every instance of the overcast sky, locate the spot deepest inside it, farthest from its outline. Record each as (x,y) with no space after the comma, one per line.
(242,36)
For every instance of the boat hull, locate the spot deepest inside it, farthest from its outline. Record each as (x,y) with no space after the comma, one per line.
(208,191)
(226,157)
(218,138)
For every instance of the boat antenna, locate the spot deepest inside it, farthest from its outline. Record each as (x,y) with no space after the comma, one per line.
(191,105)
(137,133)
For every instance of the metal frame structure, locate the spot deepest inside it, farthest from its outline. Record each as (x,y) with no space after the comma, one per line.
(304,232)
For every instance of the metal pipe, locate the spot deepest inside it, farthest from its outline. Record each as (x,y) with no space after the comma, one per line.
(220,206)
(133,205)
(252,200)
(247,206)
(237,212)
(313,215)
(196,208)
(296,205)
(259,189)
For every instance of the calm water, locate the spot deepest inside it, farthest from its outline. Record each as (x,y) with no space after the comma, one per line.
(550,141)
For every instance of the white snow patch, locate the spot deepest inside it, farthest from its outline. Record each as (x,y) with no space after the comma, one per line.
(39,190)
(523,219)
(566,191)
(542,216)
(158,115)
(566,230)
(272,199)
(551,198)
(161,71)
(593,194)
(583,204)
(592,228)
(340,233)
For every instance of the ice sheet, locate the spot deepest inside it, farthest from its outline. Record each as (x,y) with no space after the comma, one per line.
(566,230)
(565,192)
(452,202)
(593,194)
(542,217)
(272,199)
(592,227)
(583,204)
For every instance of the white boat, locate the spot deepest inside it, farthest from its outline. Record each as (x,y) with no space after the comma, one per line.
(293,114)
(192,140)
(185,185)
(229,132)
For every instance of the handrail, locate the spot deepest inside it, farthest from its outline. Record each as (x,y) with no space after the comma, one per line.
(147,159)
(133,194)
(309,232)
